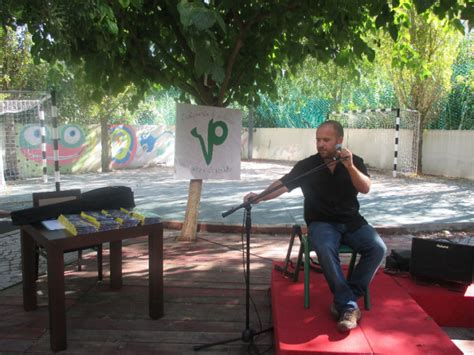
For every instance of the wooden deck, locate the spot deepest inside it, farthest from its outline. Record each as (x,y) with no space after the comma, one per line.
(204,300)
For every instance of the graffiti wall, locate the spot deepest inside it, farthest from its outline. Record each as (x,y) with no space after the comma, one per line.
(135,147)
(80,148)
(71,145)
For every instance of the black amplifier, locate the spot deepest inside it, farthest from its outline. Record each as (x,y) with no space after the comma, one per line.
(442,260)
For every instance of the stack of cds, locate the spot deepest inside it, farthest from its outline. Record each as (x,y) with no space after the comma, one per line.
(121,217)
(76,225)
(93,221)
(145,217)
(102,222)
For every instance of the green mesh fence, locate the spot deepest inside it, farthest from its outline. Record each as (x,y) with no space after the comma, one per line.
(457,110)
(309,112)
(301,113)
(367,99)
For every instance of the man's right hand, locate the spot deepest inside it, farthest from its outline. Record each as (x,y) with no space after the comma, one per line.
(251,196)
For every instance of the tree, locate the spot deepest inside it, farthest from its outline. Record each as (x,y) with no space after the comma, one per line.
(103,111)
(458,108)
(306,95)
(420,63)
(17,73)
(13,60)
(215,51)
(158,107)
(81,102)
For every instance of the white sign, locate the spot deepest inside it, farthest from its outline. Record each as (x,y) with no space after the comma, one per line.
(207,144)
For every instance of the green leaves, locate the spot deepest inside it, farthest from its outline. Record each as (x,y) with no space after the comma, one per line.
(468,14)
(194,44)
(197,20)
(393,31)
(107,17)
(106,11)
(217,73)
(111,26)
(124,3)
(197,15)
(423,5)
(137,4)
(207,58)
(202,60)
(458,25)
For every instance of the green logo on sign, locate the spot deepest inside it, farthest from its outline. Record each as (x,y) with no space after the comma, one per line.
(213,138)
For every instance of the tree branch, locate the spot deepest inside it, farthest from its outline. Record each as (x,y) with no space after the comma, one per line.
(115,104)
(170,19)
(231,61)
(235,83)
(202,92)
(168,79)
(230,64)
(170,59)
(239,43)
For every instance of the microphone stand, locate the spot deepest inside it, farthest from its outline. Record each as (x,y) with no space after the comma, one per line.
(248,334)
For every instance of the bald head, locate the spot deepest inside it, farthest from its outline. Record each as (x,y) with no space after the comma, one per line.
(336,126)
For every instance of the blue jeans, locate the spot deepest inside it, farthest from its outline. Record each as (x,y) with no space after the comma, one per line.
(325,239)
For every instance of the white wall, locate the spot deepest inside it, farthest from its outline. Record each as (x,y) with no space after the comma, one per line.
(449,153)
(445,153)
(374,145)
(282,143)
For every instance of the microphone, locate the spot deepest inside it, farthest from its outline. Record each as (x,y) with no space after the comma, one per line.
(338,149)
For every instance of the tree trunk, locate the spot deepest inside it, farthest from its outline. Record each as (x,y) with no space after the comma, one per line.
(105,143)
(189,230)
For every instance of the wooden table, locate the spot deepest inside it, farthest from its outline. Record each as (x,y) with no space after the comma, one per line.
(55,243)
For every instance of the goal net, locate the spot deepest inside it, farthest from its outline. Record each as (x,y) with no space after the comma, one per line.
(385,138)
(25,126)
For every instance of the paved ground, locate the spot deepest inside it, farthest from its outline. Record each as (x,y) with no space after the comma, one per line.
(393,202)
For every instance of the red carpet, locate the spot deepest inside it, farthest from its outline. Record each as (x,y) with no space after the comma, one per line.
(395,324)
(447,307)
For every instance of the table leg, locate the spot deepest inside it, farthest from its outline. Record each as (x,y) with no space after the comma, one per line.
(99,262)
(28,254)
(155,278)
(56,299)
(116,265)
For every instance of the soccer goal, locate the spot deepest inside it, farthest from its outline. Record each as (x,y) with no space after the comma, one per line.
(27,121)
(387,138)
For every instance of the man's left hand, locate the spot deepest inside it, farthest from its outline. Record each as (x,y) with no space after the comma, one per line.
(346,157)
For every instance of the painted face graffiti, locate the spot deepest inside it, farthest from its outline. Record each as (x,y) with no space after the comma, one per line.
(71,143)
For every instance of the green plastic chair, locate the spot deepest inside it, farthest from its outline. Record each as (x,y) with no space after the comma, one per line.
(305,252)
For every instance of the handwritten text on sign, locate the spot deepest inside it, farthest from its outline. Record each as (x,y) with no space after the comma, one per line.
(207,142)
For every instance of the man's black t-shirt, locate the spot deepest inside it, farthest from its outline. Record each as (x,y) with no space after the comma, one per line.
(328,197)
